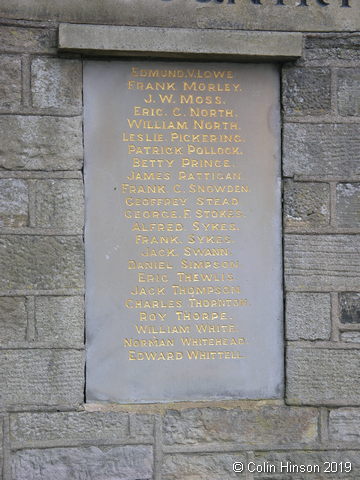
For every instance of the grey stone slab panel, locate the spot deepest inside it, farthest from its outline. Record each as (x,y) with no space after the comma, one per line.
(308,316)
(348,94)
(164,42)
(314,262)
(67,427)
(59,204)
(13,320)
(90,463)
(287,465)
(40,143)
(56,83)
(332,49)
(344,425)
(178,13)
(60,320)
(306,204)
(350,337)
(348,205)
(10,82)
(255,425)
(22,39)
(321,149)
(41,377)
(41,262)
(200,466)
(123,366)
(322,376)
(349,304)
(306,91)
(14,203)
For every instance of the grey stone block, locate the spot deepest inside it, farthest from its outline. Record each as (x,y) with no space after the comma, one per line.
(36,143)
(314,262)
(13,320)
(314,464)
(14,200)
(323,376)
(306,204)
(321,149)
(348,205)
(344,425)
(41,377)
(213,466)
(308,316)
(90,463)
(349,303)
(56,83)
(121,40)
(141,425)
(348,94)
(43,263)
(306,91)
(67,427)
(332,48)
(59,204)
(350,337)
(22,39)
(257,425)
(60,320)
(10,82)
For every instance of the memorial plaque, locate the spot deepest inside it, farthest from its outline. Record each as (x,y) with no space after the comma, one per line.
(183,231)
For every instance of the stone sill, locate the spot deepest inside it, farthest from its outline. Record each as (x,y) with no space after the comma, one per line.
(182,43)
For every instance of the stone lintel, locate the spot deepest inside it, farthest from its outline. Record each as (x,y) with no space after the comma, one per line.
(179,42)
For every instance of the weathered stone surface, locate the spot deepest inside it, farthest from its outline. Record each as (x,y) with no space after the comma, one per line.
(56,83)
(45,263)
(348,94)
(349,303)
(60,320)
(321,149)
(121,40)
(90,463)
(319,261)
(59,204)
(350,337)
(348,205)
(10,82)
(344,425)
(330,49)
(306,91)
(41,377)
(35,143)
(141,424)
(177,13)
(306,204)
(200,467)
(66,427)
(323,376)
(22,39)
(14,199)
(314,462)
(308,316)
(13,320)
(254,425)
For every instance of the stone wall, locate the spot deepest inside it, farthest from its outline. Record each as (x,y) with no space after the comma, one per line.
(47,431)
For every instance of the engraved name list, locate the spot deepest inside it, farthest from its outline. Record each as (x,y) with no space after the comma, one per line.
(182,231)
